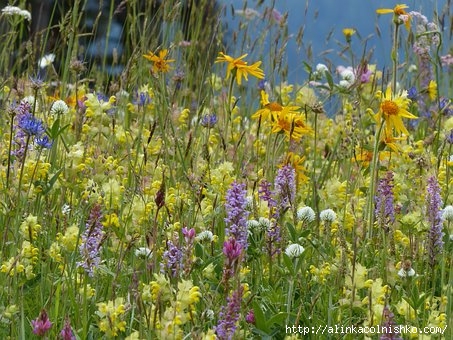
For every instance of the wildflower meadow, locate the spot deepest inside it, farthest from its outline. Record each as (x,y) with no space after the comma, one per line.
(202,194)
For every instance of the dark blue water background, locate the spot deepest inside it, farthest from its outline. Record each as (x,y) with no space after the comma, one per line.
(322,22)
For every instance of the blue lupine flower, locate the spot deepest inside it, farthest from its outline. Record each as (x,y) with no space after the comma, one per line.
(435,220)
(236,219)
(90,247)
(385,210)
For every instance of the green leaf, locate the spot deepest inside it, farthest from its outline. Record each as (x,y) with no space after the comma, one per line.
(329,80)
(260,319)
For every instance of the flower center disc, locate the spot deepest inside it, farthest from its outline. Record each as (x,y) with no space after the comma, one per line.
(389,107)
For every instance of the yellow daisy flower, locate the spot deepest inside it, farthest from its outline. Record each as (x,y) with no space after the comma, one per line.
(392,110)
(398,13)
(270,108)
(291,123)
(239,67)
(160,62)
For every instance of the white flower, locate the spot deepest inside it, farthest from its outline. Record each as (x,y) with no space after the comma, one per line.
(59,107)
(209,314)
(447,213)
(412,68)
(294,250)
(47,60)
(264,222)
(143,252)
(248,13)
(306,214)
(253,224)
(348,74)
(321,68)
(406,273)
(328,215)
(66,209)
(249,203)
(205,235)
(13,10)
(344,83)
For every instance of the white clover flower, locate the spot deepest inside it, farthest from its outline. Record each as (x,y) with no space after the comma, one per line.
(47,60)
(406,273)
(328,215)
(306,214)
(13,10)
(143,252)
(447,213)
(264,222)
(294,250)
(321,68)
(205,235)
(348,74)
(59,107)
(253,224)
(344,83)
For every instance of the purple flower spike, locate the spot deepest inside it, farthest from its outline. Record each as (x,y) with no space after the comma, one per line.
(41,324)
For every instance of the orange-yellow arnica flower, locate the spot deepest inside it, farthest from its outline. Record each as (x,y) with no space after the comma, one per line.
(392,110)
(291,123)
(398,13)
(160,62)
(239,67)
(271,107)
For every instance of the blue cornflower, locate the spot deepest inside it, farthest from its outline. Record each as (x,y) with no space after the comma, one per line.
(412,93)
(209,120)
(31,125)
(44,142)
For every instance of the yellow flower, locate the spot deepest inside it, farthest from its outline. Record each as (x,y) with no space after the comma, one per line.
(296,162)
(432,90)
(266,112)
(348,33)
(392,110)
(239,67)
(291,123)
(399,13)
(160,62)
